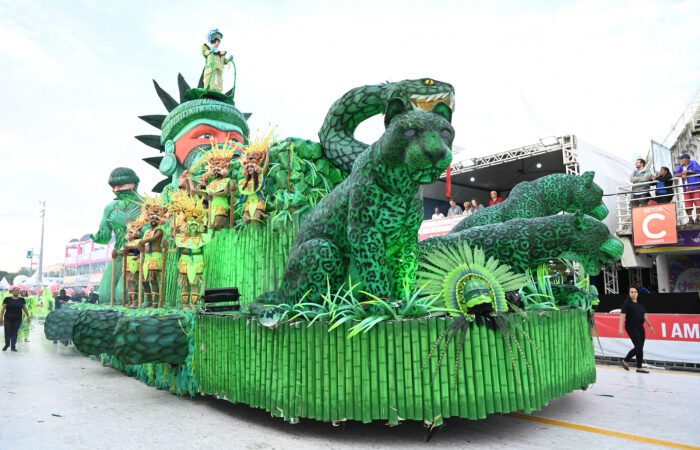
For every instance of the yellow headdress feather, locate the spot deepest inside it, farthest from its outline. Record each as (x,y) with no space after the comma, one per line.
(220,152)
(192,207)
(259,144)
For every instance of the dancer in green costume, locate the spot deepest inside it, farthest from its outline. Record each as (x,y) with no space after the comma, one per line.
(190,243)
(220,189)
(216,61)
(250,187)
(30,303)
(130,251)
(152,248)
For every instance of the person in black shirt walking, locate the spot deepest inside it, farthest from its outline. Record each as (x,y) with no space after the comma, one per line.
(11,316)
(61,299)
(633,315)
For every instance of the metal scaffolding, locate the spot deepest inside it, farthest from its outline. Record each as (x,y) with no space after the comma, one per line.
(567,145)
(611,280)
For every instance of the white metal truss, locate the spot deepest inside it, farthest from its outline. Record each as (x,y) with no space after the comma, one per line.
(635,275)
(567,144)
(569,152)
(610,280)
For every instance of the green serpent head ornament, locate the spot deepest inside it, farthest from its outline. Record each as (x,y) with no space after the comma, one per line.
(422,94)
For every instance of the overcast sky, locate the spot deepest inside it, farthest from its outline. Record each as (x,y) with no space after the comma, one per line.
(77,74)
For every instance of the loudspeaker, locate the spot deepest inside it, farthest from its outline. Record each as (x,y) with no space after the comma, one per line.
(221,299)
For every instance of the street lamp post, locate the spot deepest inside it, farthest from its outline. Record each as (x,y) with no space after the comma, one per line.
(41,247)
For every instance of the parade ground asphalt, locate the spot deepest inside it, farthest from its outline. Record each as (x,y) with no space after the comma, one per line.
(51,397)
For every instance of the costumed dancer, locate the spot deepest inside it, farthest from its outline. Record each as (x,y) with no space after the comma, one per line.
(256,163)
(130,251)
(152,246)
(30,303)
(221,188)
(216,60)
(190,242)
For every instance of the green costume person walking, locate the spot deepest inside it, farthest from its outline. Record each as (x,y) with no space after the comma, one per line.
(216,61)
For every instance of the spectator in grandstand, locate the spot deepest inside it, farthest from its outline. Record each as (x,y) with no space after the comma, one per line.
(633,316)
(437,214)
(455,209)
(640,190)
(495,198)
(468,210)
(641,289)
(689,173)
(476,204)
(664,186)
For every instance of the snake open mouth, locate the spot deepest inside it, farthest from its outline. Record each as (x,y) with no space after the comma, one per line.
(428,102)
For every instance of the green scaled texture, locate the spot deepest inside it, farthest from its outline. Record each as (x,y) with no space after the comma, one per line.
(151,339)
(93,332)
(59,324)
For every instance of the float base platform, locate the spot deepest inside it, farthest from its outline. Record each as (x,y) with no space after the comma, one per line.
(393,372)
(55,398)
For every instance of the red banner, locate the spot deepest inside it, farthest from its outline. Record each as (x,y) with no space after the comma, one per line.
(667,327)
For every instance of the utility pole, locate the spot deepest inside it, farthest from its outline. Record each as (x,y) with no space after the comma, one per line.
(41,247)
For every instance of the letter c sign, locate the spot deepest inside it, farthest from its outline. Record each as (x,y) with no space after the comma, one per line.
(645,226)
(654,225)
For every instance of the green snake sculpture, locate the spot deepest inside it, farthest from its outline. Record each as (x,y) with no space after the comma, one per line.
(361,103)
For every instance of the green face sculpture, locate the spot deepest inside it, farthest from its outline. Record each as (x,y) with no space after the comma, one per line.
(189,128)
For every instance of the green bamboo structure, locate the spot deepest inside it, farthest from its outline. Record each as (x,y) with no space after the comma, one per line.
(297,370)
(251,259)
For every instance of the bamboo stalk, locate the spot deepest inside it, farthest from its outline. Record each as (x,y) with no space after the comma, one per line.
(124,278)
(140,298)
(164,250)
(114,282)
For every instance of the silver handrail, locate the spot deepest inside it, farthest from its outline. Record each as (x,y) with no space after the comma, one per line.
(625,198)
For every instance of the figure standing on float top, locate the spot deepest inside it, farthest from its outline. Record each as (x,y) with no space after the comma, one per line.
(255,165)
(218,185)
(130,251)
(190,240)
(153,248)
(216,60)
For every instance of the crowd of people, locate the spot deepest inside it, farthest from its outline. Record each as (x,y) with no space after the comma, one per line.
(661,184)
(468,208)
(19,308)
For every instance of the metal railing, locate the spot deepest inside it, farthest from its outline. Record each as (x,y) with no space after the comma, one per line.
(626,201)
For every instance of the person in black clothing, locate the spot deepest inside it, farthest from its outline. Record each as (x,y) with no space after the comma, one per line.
(11,316)
(633,315)
(93,298)
(664,186)
(61,298)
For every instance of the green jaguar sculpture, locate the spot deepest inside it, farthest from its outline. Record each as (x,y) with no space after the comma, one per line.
(526,243)
(368,225)
(543,197)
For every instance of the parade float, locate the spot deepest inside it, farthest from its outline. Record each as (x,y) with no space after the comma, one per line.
(341,313)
